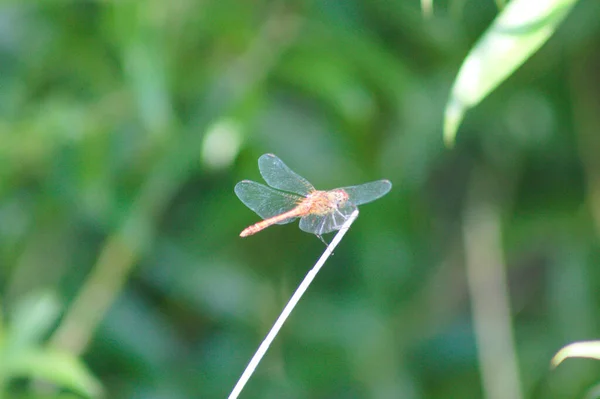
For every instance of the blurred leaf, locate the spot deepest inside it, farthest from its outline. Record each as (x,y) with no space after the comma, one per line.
(21,357)
(584,349)
(518,32)
(60,368)
(32,319)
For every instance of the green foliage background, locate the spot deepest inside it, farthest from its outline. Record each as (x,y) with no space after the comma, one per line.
(125,125)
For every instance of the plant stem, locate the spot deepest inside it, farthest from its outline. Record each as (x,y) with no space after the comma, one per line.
(264,346)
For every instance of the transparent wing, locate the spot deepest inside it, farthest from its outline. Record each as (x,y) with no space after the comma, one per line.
(323,224)
(265,201)
(368,192)
(279,176)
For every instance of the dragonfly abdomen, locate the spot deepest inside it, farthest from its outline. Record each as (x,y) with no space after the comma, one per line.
(263,224)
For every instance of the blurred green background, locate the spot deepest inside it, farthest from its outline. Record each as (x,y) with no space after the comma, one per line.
(124,127)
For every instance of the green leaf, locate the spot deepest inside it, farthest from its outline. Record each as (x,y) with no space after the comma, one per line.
(518,32)
(32,319)
(60,368)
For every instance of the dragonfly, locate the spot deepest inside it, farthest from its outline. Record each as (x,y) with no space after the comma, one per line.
(291,196)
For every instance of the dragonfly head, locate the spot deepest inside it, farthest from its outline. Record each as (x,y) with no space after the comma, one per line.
(339,197)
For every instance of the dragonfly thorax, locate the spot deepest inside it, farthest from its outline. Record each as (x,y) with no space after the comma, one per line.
(324,202)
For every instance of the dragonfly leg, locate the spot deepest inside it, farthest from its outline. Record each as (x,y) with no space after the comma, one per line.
(320,237)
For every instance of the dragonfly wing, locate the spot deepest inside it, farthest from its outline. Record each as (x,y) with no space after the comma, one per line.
(368,192)
(323,224)
(265,201)
(279,176)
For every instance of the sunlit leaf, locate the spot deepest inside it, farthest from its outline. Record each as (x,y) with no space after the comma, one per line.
(518,32)
(587,349)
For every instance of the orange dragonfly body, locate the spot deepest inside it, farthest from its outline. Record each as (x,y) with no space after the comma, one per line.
(292,196)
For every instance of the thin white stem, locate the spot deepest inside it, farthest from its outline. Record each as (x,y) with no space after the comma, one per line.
(264,346)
